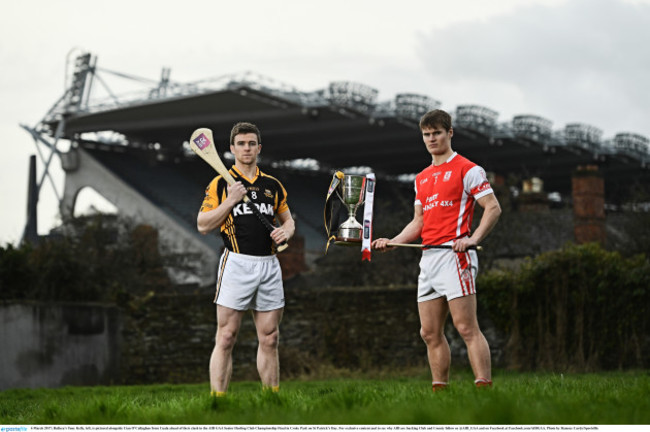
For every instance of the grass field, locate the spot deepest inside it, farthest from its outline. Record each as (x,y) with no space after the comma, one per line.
(516,398)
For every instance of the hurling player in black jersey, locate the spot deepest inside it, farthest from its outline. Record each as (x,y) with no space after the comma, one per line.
(249,275)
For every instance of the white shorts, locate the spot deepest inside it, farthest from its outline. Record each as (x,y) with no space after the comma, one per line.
(249,282)
(445,273)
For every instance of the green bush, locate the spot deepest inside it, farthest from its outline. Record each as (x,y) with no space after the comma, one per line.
(95,263)
(580,308)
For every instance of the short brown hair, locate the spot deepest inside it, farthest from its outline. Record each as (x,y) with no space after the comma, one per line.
(436,118)
(244,128)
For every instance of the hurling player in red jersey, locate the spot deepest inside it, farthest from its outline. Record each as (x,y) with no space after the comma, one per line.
(445,195)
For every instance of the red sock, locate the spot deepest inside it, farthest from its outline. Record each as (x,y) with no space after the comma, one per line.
(438,385)
(482,382)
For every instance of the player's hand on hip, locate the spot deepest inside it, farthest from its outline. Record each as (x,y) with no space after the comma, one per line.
(462,244)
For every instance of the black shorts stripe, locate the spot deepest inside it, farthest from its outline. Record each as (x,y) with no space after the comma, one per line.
(222,266)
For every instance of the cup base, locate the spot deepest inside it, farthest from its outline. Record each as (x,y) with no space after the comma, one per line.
(346,240)
(349,235)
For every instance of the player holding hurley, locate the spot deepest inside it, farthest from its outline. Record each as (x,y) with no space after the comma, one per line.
(445,195)
(249,275)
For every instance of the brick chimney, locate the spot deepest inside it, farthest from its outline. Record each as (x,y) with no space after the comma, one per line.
(588,205)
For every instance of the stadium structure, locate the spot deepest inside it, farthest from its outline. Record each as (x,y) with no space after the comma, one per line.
(133,148)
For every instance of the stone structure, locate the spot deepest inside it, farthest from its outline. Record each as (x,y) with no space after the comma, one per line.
(167,337)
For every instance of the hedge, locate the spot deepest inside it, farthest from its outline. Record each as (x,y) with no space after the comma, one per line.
(580,308)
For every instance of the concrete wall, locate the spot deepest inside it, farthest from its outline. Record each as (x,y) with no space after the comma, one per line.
(53,345)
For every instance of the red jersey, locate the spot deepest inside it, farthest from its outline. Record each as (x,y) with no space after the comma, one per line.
(447,194)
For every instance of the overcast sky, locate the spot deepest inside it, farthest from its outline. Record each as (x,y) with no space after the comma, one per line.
(567,60)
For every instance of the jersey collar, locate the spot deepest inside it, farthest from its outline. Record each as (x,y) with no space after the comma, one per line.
(242,176)
(453,155)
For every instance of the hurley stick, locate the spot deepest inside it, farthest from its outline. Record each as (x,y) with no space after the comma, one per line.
(426,246)
(411,245)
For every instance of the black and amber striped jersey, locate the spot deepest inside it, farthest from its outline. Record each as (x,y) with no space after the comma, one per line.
(242,232)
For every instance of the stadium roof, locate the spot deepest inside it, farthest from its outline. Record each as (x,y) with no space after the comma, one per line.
(343,126)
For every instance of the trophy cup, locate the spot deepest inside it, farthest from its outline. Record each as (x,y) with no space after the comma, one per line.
(351,192)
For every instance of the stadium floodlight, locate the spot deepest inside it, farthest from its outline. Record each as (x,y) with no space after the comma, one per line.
(632,144)
(412,106)
(348,94)
(477,118)
(584,136)
(533,127)
(77,89)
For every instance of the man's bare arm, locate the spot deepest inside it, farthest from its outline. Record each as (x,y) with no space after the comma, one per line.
(491,213)
(286,229)
(210,220)
(411,232)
